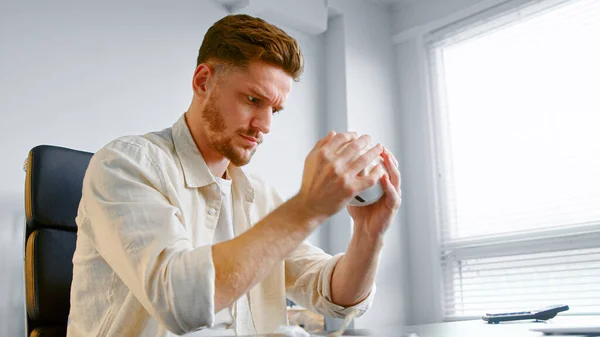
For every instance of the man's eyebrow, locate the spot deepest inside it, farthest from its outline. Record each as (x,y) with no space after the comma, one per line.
(258,94)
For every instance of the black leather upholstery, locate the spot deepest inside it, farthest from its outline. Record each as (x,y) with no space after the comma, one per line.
(52,194)
(53,186)
(50,252)
(54,331)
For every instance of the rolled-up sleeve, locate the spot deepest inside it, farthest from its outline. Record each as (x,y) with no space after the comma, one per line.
(308,273)
(138,232)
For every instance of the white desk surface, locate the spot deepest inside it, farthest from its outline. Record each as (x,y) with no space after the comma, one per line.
(479,328)
(474,328)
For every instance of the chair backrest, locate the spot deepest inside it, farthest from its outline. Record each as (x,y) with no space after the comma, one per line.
(52,194)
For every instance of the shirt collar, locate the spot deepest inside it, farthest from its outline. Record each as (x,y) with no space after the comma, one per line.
(195,171)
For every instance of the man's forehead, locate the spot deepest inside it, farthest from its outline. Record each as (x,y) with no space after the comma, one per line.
(269,85)
(266,75)
(262,90)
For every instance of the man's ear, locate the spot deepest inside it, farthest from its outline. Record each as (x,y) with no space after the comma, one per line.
(201,79)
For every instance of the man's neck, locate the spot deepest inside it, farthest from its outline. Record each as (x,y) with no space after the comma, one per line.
(219,169)
(216,162)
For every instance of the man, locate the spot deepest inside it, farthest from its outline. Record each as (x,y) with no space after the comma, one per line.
(174,238)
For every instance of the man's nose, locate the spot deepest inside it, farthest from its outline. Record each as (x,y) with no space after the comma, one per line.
(262,120)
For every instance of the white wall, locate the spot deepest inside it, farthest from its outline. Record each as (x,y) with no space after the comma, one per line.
(338,228)
(423,12)
(423,268)
(412,23)
(12,309)
(295,130)
(371,108)
(78,74)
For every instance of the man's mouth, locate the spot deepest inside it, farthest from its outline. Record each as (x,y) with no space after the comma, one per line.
(252,140)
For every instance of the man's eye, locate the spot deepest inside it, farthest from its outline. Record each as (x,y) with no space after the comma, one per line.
(253,99)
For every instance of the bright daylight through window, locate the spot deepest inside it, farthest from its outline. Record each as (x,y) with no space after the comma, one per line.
(517,132)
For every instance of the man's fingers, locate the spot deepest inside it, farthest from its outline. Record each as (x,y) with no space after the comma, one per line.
(392,196)
(353,148)
(393,172)
(364,160)
(392,156)
(325,139)
(340,139)
(364,182)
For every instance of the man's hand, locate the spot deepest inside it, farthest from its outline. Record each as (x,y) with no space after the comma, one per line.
(330,179)
(331,172)
(373,220)
(354,274)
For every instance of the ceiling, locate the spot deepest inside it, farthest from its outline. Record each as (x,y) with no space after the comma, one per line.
(395,2)
(236,4)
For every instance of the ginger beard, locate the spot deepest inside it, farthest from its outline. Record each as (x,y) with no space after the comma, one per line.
(217,136)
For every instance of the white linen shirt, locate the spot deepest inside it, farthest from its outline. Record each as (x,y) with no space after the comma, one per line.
(143,262)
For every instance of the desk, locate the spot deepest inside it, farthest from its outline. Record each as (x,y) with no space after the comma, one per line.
(477,328)
(474,328)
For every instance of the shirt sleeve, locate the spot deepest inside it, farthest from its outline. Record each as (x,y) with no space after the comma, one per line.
(138,232)
(308,272)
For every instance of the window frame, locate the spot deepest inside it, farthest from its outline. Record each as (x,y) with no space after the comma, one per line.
(512,243)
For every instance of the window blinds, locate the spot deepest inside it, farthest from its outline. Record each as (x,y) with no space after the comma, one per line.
(518,147)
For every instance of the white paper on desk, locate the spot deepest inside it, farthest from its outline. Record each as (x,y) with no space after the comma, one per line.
(571,329)
(292,331)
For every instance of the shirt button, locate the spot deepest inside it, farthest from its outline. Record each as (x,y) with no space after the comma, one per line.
(212,211)
(214,188)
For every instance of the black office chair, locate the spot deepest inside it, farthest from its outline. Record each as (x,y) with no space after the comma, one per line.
(52,194)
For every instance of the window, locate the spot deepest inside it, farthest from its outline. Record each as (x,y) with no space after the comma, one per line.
(517,120)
